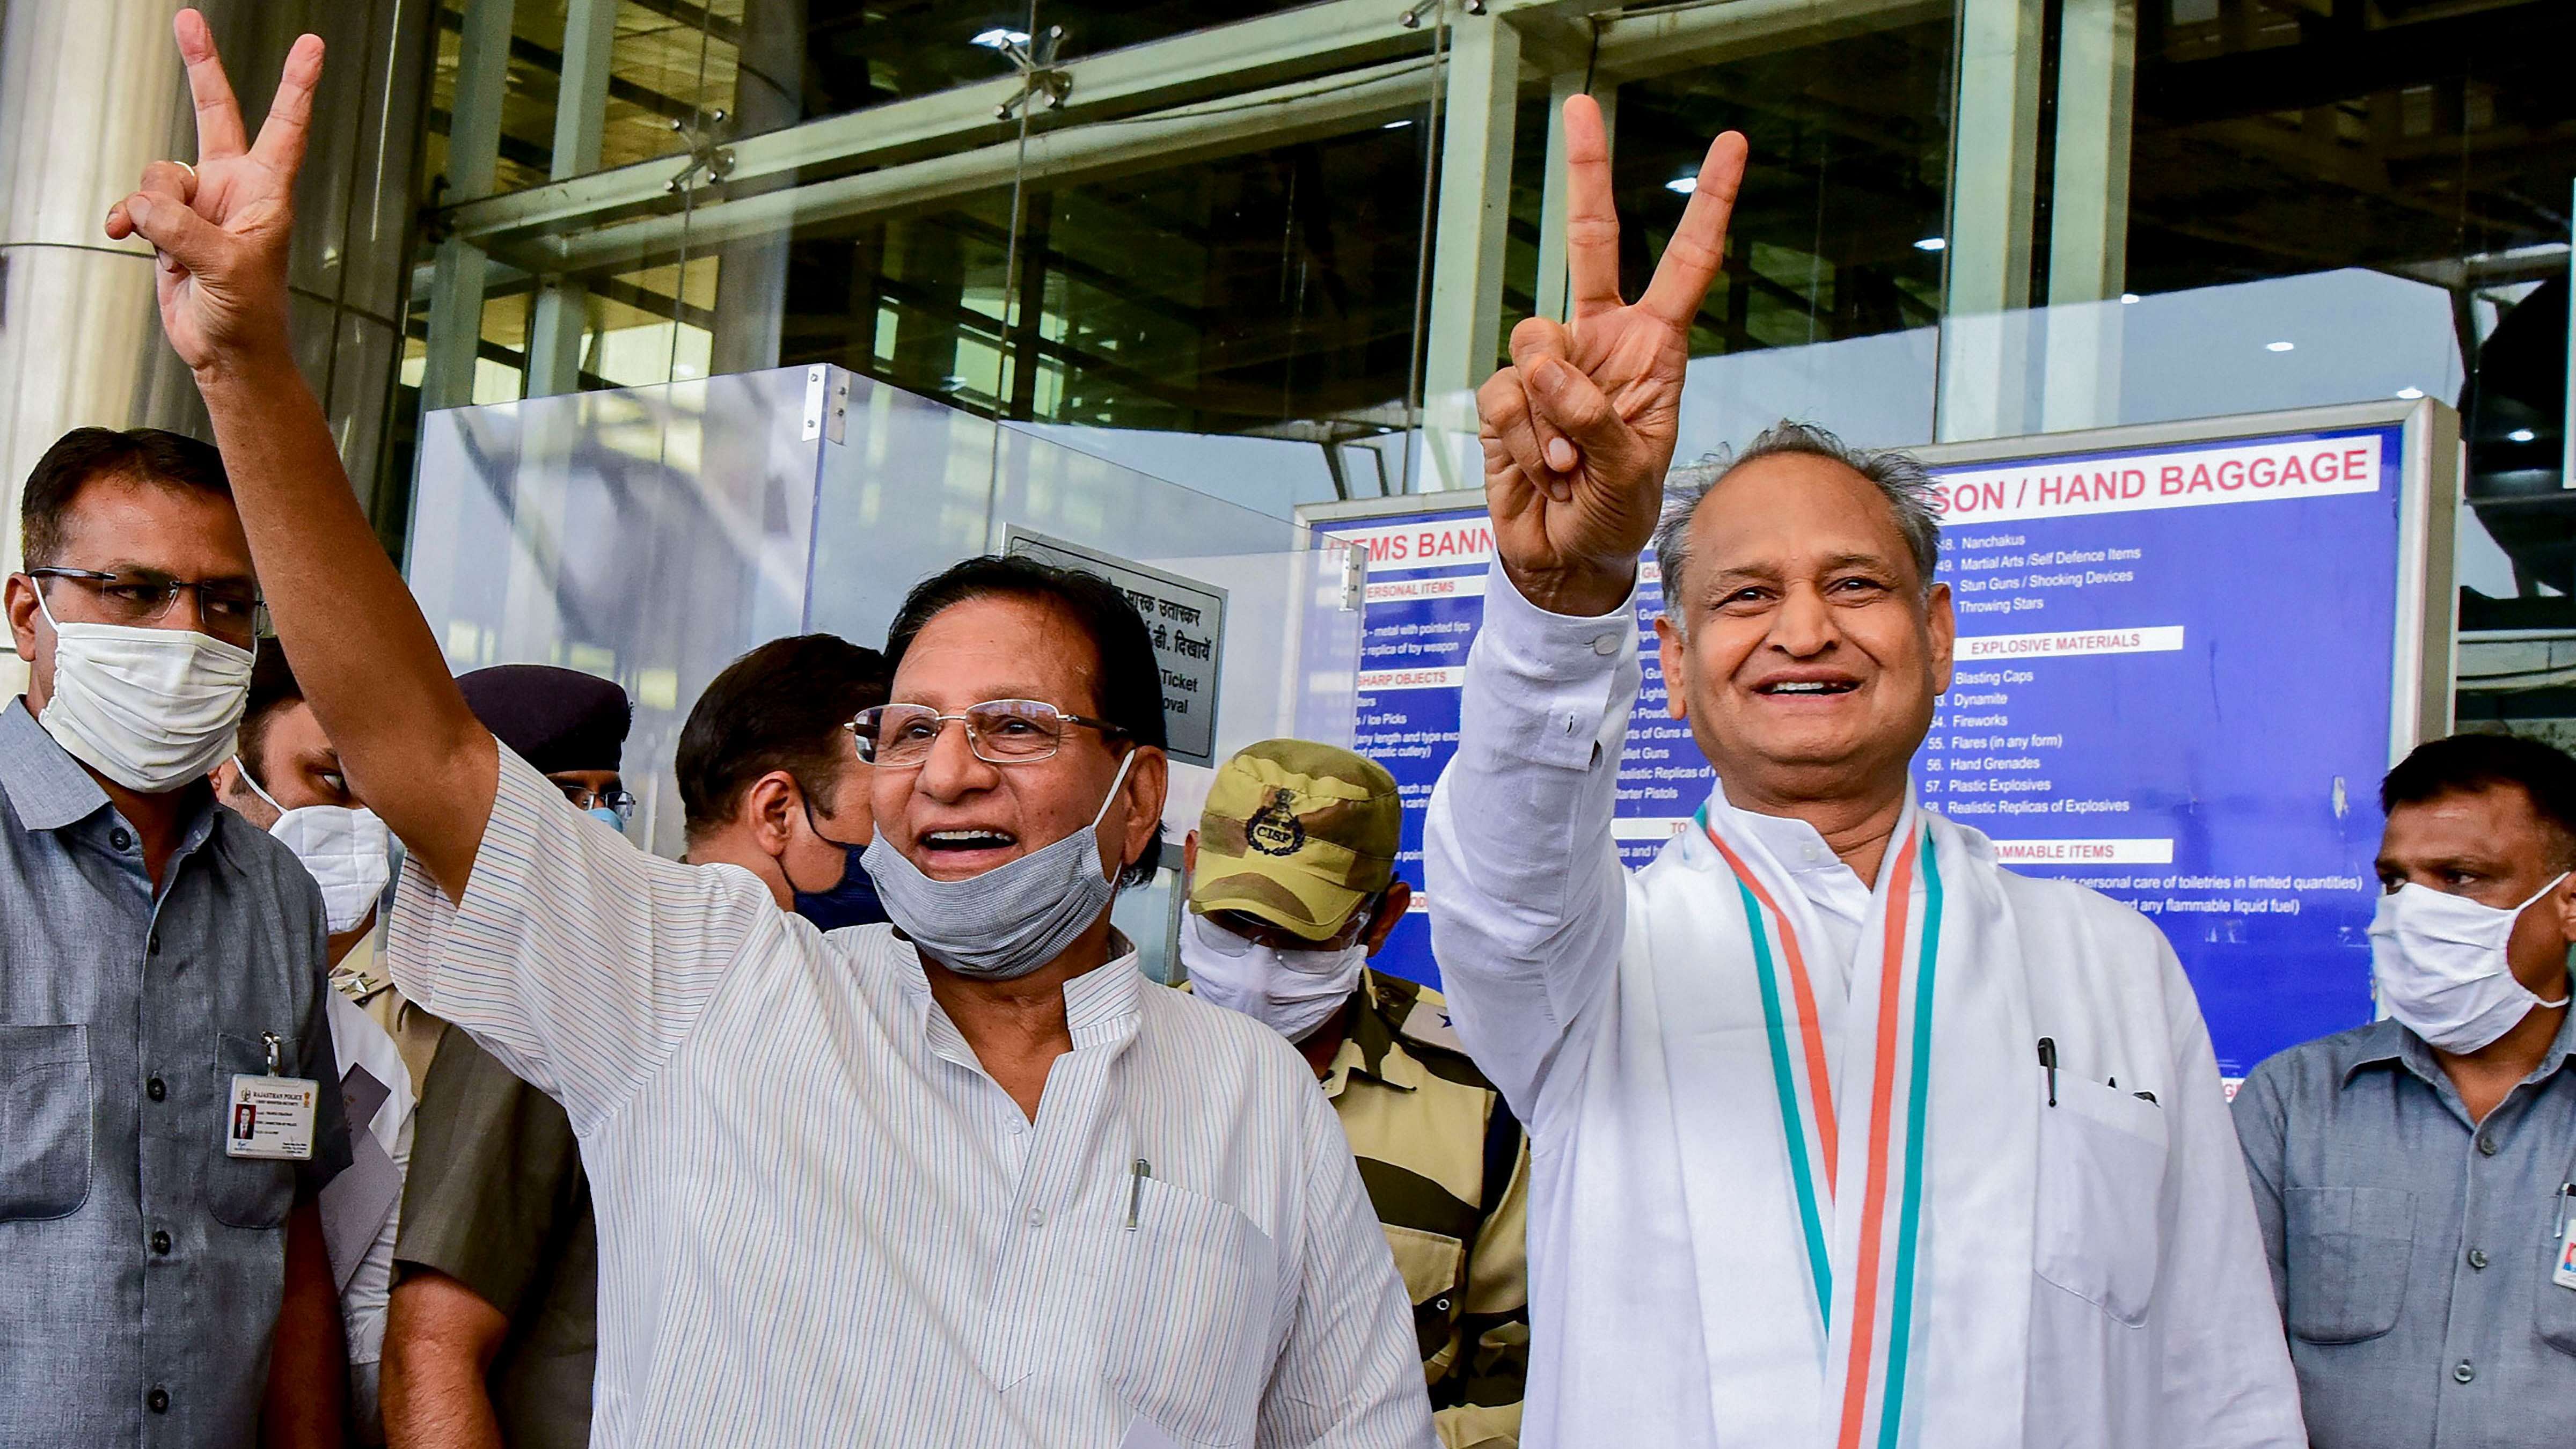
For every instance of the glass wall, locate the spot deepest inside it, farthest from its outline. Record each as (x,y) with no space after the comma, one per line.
(1267,250)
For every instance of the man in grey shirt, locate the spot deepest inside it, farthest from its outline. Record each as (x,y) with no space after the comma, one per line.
(2412,1177)
(162,1274)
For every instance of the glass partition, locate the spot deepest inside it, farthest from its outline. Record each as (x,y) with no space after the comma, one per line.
(646,535)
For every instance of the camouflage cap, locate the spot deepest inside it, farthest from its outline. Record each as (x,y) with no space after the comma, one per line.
(1297,833)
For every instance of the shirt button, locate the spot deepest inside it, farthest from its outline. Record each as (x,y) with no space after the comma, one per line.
(1606,645)
(158,1401)
(1037,1217)
(2463,1372)
(2486,1148)
(155,1090)
(123,841)
(161,1243)
(152,944)
(2477,1257)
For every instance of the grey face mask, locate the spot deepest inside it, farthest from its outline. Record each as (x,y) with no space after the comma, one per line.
(1012,919)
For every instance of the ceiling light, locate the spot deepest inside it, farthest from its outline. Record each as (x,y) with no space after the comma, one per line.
(2279,346)
(2128,299)
(1933,244)
(2410,393)
(1395,125)
(1682,185)
(2520,435)
(998,38)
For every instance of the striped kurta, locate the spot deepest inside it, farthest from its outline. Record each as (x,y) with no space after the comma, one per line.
(821,1222)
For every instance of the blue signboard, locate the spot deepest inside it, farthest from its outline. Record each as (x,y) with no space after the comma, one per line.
(2174,683)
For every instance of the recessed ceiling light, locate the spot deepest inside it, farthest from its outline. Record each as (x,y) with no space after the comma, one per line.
(1395,125)
(1933,244)
(2279,346)
(2128,299)
(999,38)
(2410,393)
(1682,185)
(2520,435)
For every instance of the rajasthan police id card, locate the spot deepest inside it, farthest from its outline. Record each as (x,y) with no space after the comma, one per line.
(272,1117)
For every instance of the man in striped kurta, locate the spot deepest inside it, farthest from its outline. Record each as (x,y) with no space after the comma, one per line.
(1843,1135)
(976,1183)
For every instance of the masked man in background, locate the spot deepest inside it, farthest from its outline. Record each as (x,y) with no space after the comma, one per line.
(1842,1133)
(286,779)
(1292,889)
(163,1278)
(2416,1178)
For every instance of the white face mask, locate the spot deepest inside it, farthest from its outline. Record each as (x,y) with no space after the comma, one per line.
(1290,992)
(349,853)
(2440,963)
(150,709)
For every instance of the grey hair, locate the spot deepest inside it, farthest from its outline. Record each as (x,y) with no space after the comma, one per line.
(1903,481)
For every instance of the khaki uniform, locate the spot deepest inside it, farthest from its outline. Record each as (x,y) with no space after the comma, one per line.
(1447,1168)
(362,977)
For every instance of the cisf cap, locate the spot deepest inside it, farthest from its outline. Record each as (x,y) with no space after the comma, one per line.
(1297,833)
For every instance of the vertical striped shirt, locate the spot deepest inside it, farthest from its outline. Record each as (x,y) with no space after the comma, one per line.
(820,1221)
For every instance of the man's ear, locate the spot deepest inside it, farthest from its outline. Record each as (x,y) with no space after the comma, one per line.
(769,810)
(23,616)
(1190,854)
(226,778)
(1148,785)
(2563,896)
(1941,623)
(1670,649)
(1390,909)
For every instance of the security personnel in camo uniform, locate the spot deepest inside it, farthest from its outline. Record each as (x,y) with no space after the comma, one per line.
(1292,889)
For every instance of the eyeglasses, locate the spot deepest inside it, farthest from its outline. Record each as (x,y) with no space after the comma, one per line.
(231,609)
(584,798)
(999,731)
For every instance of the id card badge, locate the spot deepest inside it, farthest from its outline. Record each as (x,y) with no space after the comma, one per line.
(2565,1276)
(271,1117)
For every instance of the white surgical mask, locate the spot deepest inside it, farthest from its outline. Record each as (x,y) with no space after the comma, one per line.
(2440,963)
(1292,992)
(349,853)
(150,709)
(1010,920)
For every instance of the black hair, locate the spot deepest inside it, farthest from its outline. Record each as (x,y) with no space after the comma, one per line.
(83,454)
(780,707)
(2465,764)
(272,690)
(1128,690)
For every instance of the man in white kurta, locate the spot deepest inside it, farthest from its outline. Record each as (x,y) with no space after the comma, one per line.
(1842,1135)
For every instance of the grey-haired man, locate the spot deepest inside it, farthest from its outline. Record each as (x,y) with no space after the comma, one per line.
(1841,1133)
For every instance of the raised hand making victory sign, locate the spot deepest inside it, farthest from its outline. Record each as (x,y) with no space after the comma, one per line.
(1578,430)
(219,228)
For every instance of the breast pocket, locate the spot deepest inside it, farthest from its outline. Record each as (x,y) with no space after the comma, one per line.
(2101,1186)
(44,1122)
(2347,1251)
(1188,1303)
(246,1192)
(1432,1266)
(2555,1313)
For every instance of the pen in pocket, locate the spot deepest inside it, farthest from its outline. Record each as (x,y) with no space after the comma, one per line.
(1136,1189)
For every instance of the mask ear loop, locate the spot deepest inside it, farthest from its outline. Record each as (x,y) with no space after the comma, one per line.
(242,768)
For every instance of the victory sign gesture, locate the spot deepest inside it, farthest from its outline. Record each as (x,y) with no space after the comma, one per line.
(219,228)
(1578,431)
